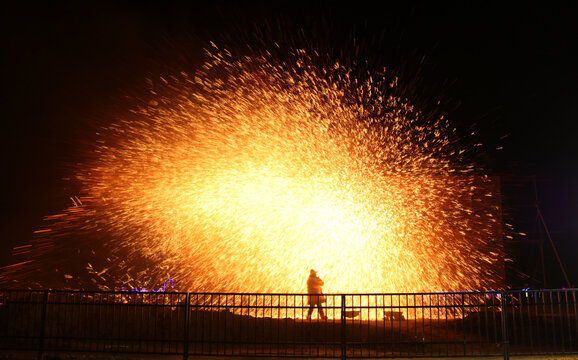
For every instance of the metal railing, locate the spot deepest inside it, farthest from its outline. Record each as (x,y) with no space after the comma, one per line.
(489,324)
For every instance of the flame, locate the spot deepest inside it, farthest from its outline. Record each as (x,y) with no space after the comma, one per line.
(244,175)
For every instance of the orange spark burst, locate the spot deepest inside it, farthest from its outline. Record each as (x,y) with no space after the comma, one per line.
(251,171)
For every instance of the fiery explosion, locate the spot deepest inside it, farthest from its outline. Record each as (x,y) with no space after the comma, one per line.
(245,174)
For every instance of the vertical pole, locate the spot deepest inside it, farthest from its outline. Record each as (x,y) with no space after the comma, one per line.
(343,333)
(43,325)
(505,339)
(187,320)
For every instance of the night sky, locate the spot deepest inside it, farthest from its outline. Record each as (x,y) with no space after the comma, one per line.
(509,72)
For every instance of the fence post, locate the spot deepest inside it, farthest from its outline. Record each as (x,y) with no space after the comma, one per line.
(43,325)
(187,320)
(505,339)
(343,332)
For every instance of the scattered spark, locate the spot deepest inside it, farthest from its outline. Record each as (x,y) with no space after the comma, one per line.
(247,173)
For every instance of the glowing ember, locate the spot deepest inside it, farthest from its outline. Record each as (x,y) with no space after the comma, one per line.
(245,175)
(169,284)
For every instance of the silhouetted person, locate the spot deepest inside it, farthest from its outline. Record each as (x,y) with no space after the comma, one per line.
(314,285)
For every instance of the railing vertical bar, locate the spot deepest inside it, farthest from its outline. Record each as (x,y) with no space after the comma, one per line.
(575,314)
(261,323)
(268,319)
(69,323)
(360,304)
(246,325)
(518,297)
(137,300)
(20,301)
(318,329)
(478,319)
(31,337)
(432,321)
(529,312)
(278,322)
(115,330)
(57,319)
(133,300)
(464,336)
(60,306)
(561,322)
(367,322)
(360,325)
(567,317)
(406,322)
(75,321)
(120,307)
(258,323)
(110,316)
(372,325)
(453,316)
(154,306)
(146,299)
(446,326)
(43,324)
(226,325)
(513,336)
(484,349)
(59,331)
(83,321)
(212,334)
(165,298)
(99,318)
(249,310)
(505,340)
(438,323)
(187,326)
(217,331)
(89,299)
(552,315)
(288,314)
(415,334)
(385,346)
(376,332)
(270,310)
(343,329)
(423,320)
(180,314)
(495,305)
(539,309)
(233,342)
(467,311)
(202,328)
(154,311)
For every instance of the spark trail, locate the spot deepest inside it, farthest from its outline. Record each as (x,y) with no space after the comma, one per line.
(245,174)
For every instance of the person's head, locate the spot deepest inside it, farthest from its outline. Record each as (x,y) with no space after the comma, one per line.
(313,272)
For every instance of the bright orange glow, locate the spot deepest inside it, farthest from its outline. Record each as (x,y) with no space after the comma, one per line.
(245,175)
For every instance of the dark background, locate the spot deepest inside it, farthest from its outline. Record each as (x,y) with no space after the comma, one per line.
(506,71)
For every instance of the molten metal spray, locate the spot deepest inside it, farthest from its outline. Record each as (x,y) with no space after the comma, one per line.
(245,174)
